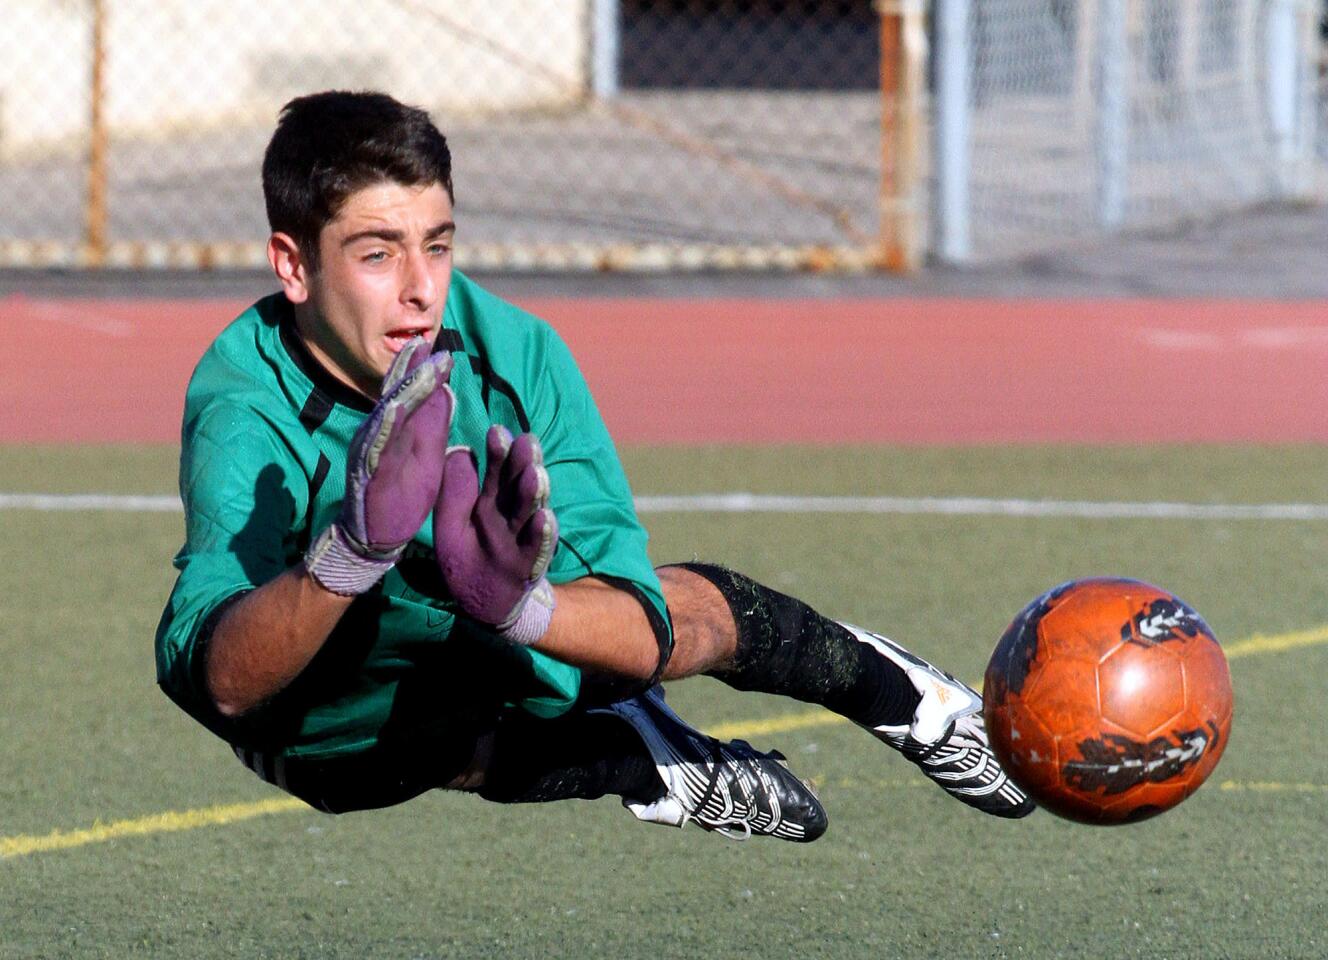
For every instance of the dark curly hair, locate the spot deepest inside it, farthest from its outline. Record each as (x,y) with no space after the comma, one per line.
(329,145)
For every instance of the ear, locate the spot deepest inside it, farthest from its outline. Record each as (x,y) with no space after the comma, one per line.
(289,265)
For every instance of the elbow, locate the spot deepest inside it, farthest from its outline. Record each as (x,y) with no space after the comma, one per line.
(639,663)
(647,666)
(227,680)
(227,697)
(230,708)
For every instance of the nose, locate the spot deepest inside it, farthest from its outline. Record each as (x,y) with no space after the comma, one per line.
(418,287)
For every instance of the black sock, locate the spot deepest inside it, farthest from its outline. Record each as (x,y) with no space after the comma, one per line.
(786,647)
(578,756)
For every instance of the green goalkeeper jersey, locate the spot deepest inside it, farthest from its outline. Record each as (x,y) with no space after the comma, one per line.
(262,471)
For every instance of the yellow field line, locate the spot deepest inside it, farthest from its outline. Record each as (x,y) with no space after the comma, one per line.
(1266,786)
(1277,642)
(173,821)
(168,822)
(742,729)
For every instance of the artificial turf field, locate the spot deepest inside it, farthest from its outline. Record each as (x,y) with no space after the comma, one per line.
(86,741)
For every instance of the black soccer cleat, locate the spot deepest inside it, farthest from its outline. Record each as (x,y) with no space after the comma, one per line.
(729,788)
(948,737)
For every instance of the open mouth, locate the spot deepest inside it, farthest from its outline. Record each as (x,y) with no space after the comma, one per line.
(396,339)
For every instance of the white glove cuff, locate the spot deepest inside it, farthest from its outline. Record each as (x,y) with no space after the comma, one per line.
(532,617)
(339,567)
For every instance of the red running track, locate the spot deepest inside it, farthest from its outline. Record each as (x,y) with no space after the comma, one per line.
(764,371)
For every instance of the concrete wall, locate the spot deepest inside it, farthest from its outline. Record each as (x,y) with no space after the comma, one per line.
(204,63)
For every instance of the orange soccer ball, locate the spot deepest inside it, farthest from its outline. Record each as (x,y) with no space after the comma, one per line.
(1108,700)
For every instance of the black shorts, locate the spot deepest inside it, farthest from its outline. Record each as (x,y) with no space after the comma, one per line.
(365,780)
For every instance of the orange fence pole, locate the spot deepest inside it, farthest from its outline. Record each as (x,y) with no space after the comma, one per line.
(95,212)
(903,50)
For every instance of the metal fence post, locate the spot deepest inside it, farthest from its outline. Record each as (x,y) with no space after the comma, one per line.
(951,154)
(1290,84)
(1313,56)
(604,33)
(1280,63)
(1113,113)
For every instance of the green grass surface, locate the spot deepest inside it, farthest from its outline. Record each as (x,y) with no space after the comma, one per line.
(903,872)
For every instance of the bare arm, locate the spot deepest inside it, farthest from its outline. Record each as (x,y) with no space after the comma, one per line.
(600,627)
(495,543)
(394,467)
(266,638)
(263,642)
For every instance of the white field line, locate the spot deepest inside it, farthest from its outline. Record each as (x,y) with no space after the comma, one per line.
(104,502)
(85,317)
(979,506)
(775,503)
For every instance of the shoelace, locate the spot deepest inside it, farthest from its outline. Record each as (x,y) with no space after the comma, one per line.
(725,827)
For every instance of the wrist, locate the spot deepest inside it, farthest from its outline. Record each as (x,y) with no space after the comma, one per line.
(530,621)
(339,565)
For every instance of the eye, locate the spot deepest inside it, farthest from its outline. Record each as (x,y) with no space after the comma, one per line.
(376,256)
(438,248)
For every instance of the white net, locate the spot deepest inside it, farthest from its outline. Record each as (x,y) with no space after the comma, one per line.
(1102,115)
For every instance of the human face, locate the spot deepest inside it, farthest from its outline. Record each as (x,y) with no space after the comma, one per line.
(384,268)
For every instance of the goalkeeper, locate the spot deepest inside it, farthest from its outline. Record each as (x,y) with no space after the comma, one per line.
(412,560)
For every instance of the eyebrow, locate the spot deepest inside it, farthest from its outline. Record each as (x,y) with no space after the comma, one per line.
(396,236)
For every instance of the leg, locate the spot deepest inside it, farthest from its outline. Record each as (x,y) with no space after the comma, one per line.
(521,760)
(665,771)
(753,638)
(775,644)
(705,635)
(581,756)
(367,780)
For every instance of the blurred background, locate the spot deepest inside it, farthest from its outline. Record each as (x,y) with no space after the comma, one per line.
(668,135)
(911,309)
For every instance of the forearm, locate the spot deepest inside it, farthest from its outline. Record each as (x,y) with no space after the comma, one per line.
(599,627)
(393,473)
(266,638)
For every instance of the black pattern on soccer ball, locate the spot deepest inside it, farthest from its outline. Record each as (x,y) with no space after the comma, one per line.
(1018,646)
(1114,764)
(1164,619)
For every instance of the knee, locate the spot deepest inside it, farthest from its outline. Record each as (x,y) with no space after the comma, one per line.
(704,632)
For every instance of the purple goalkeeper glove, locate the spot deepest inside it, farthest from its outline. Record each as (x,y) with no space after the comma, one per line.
(495,543)
(393,471)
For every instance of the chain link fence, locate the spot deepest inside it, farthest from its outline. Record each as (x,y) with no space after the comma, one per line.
(635,134)
(715,134)
(1097,115)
